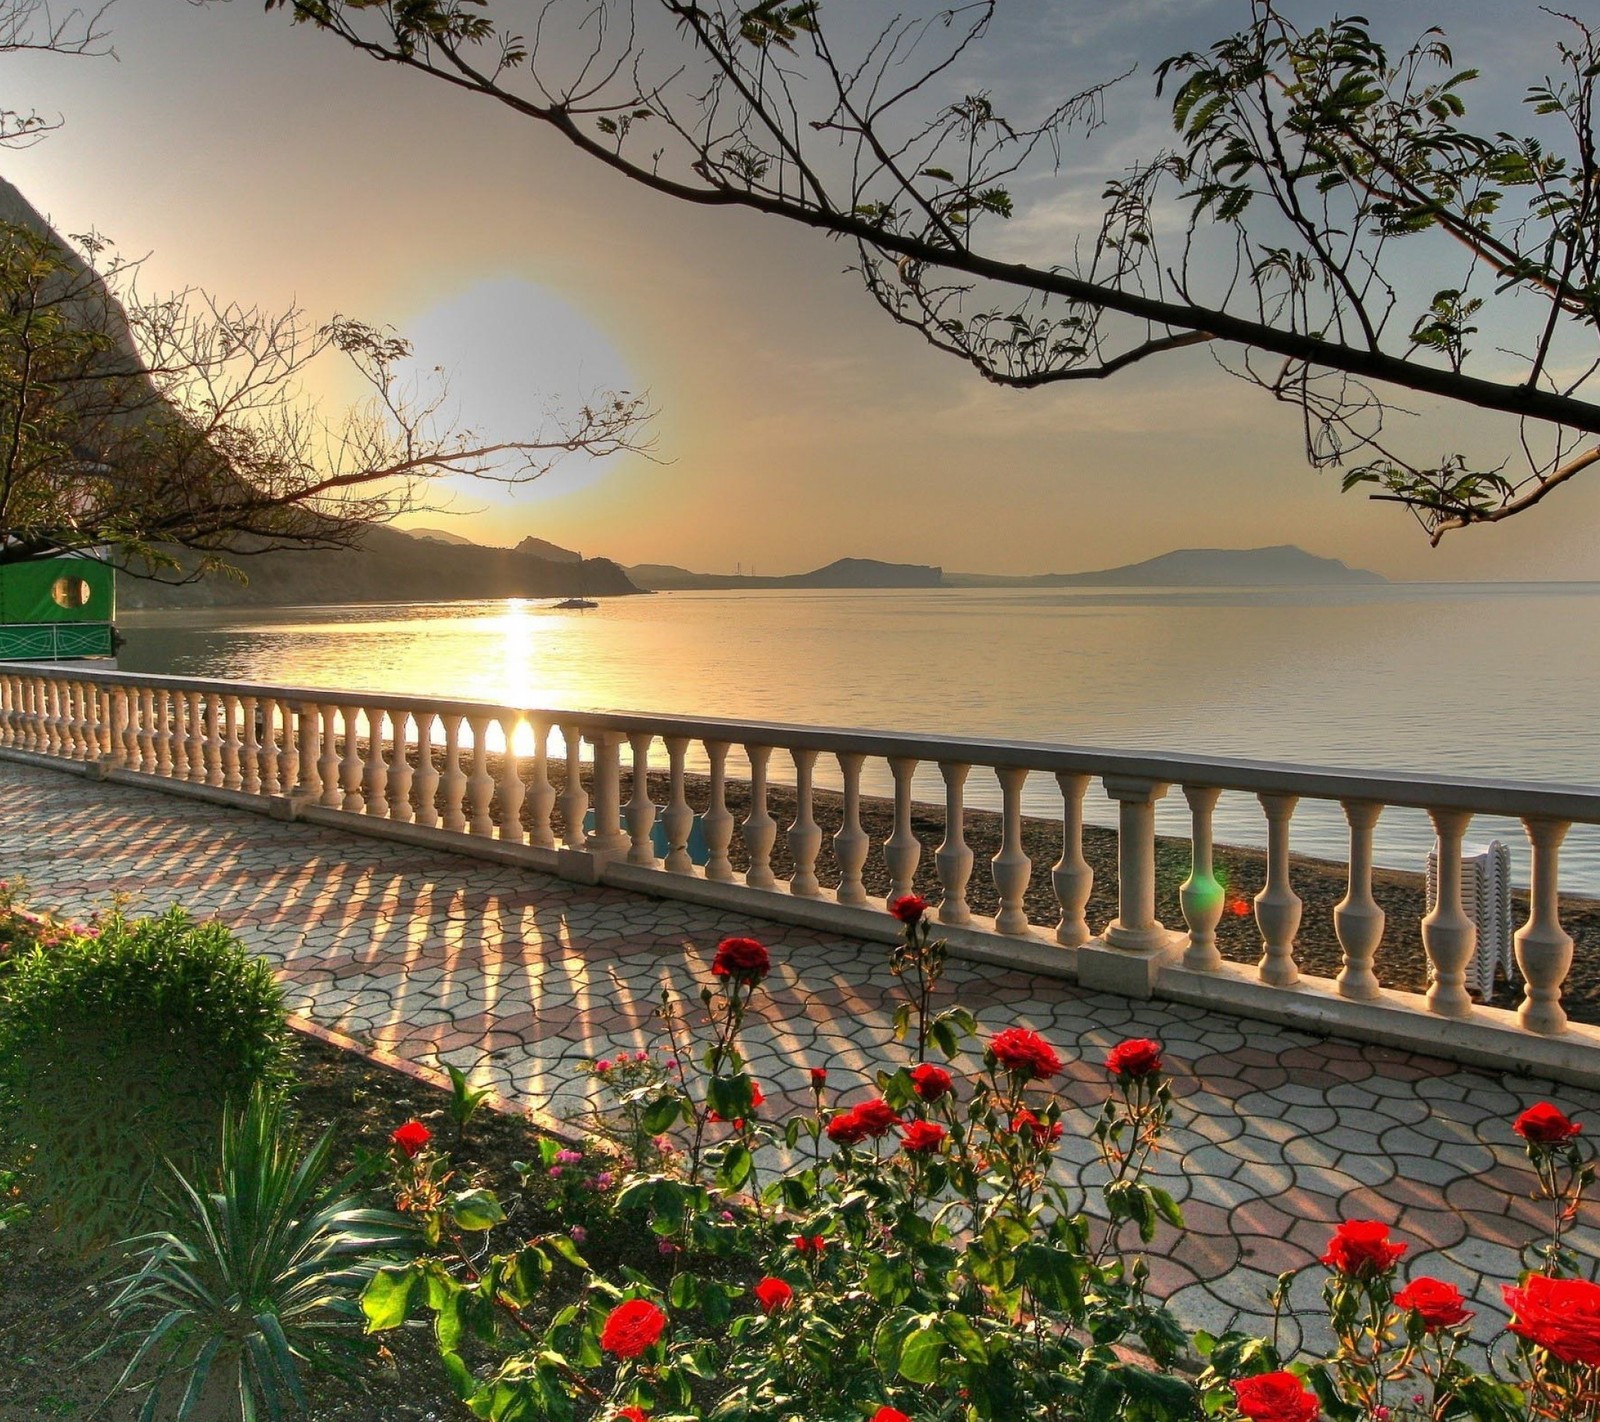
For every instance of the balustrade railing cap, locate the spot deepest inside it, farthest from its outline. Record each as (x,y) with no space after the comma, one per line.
(1515,798)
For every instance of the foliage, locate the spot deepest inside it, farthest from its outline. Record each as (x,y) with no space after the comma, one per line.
(153,425)
(21,929)
(1321,176)
(465,1102)
(122,1049)
(253,1274)
(913,1260)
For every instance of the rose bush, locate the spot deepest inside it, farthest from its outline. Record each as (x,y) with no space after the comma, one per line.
(910,1257)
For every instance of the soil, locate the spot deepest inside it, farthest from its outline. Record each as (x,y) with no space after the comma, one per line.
(49,1303)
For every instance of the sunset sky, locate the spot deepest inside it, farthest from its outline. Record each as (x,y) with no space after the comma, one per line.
(270,164)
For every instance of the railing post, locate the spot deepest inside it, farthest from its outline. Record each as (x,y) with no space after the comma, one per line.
(1357,919)
(1278,907)
(574,798)
(231,778)
(250,753)
(953,858)
(349,767)
(400,773)
(512,791)
(270,783)
(1011,868)
(541,793)
(641,808)
(1544,948)
(718,820)
(608,836)
(1136,926)
(902,851)
(425,784)
(375,779)
(678,818)
(804,835)
(850,844)
(1071,876)
(480,784)
(308,722)
(1201,894)
(1448,935)
(328,765)
(760,829)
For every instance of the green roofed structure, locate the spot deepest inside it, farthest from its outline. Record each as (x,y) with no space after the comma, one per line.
(57,609)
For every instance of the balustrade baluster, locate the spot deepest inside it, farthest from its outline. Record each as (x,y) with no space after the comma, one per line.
(1136,926)
(288,754)
(804,836)
(641,808)
(678,818)
(270,783)
(250,755)
(850,844)
(163,732)
(1357,919)
(1011,868)
(7,728)
(718,819)
(350,762)
(375,776)
(512,790)
(194,730)
(70,738)
(400,772)
(953,857)
(1278,907)
(1071,876)
(308,742)
(146,758)
(480,784)
(760,829)
(426,783)
(212,722)
(608,836)
(1448,936)
(902,851)
(541,793)
(574,798)
(1200,894)
(454,784)
(1544,948)
(328,764)
(229,708)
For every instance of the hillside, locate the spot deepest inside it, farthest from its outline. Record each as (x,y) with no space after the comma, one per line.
(392,566)
(841,573)
(1281,565)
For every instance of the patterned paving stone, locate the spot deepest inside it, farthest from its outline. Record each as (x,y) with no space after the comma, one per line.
(523,979)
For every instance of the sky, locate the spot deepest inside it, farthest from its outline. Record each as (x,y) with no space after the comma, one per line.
(796,424)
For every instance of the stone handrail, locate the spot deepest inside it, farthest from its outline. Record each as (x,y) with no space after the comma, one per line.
(420,768)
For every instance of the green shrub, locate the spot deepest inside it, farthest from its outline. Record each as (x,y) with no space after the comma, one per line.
(249,1279)
(120,1049)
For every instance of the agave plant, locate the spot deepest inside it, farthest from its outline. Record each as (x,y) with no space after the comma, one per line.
(249,1281)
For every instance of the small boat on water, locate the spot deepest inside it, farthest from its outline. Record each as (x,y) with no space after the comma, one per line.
(579,603)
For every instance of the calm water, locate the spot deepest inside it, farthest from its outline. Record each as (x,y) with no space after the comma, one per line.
(1479,680)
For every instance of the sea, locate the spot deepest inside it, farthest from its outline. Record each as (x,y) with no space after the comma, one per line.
(1494,680)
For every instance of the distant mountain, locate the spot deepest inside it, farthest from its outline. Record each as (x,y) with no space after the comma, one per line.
(391,566)
(436,535)
(541,548)
(842,573)
(1280,565)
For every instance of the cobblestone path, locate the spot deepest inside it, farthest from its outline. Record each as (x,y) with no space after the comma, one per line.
(522,977)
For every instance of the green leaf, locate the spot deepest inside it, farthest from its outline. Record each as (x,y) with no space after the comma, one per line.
(964,1337)
(475,1210)
(736,1166)
(920,1355)
(661,1114)
(386,1298)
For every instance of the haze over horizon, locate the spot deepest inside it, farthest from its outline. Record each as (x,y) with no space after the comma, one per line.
(268,164)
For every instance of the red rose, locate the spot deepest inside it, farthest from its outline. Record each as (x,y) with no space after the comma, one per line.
(773,1294)
(1026,1123)
(756,1099)
(1276,1397)
(930,1082)
(1545,1125)
(1438,1303)
(819,1076)
(1026,1053)
(909,908)
(809,1244)
(889,1414)
(1362,1248)
(878,1117)
(1135,1058)
(847,1128)
(411,1138)
(742,959)
(922,1137)
(1562,1316)
(633,1414)
(632,1327)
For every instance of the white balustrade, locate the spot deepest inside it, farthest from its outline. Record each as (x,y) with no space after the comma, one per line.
(425,762)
